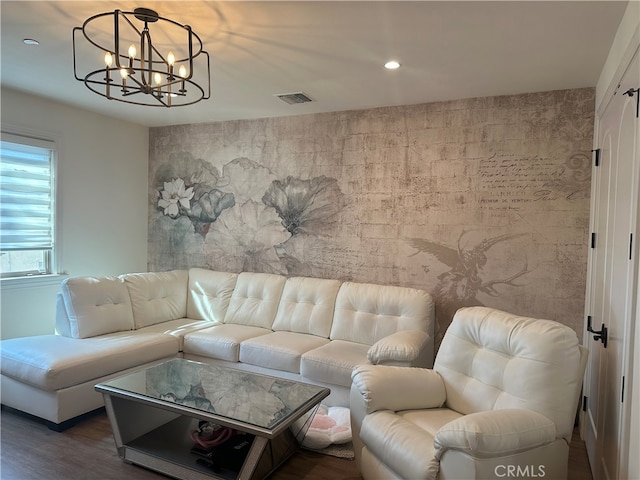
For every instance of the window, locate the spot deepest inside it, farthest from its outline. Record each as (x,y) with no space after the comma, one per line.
(26,206)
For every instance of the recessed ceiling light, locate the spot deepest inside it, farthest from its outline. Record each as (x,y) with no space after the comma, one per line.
(30,41)
(391,65)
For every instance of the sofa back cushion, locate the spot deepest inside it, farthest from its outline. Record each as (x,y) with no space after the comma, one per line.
(157,297)
(306,306)
(255,299)
(93,306)
(491,360)
(365,313)
(209,294)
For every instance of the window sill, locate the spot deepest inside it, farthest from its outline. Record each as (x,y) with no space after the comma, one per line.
(32,281)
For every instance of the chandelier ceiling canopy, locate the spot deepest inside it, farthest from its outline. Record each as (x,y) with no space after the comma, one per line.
(142,59)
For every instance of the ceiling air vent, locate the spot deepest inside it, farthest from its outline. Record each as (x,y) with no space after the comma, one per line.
(293,98)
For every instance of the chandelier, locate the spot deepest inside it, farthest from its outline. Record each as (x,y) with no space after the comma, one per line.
(138,68)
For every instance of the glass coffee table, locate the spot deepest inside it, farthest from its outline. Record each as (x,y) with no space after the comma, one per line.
(155,413)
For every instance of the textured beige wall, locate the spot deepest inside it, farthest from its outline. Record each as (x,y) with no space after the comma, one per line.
(479,201)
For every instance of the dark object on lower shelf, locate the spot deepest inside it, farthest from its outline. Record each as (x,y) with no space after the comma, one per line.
(229,455)
(208,464)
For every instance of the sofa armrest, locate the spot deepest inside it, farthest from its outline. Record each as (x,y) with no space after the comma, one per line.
(495,433)
(63,325)
(403,347)
(384,387)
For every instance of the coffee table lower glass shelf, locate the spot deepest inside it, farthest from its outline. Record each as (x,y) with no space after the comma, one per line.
(154,411)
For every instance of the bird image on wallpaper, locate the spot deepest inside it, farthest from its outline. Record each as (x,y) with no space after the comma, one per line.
(304,205)
(459,286)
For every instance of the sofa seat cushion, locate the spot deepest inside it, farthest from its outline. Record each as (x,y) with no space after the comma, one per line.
(53,362)
(221,341)
(279,350)
(430,420)
(333,362)
(178,328)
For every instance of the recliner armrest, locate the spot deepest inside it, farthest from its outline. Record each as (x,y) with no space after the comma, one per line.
(403,347)
(384,387)
(495,433)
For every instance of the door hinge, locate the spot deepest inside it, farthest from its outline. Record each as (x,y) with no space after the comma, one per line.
(597,158)
(631,92)
(630,245)
(622,395)
(598,335)
(593,239)
(584,403)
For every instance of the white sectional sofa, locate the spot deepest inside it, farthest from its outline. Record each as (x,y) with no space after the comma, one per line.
(309,329)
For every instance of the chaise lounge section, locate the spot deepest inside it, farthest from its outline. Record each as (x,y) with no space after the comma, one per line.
(307,329)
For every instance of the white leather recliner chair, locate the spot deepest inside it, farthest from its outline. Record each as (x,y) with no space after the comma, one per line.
(500,402)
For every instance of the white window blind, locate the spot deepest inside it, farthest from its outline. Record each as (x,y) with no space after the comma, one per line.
(26,194)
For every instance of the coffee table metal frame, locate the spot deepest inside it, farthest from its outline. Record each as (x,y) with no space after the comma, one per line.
(154,433)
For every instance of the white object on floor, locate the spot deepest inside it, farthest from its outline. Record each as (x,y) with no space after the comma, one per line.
(330,425)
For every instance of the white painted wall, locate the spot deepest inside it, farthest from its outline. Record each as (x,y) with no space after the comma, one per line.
(625,43)
(102,202)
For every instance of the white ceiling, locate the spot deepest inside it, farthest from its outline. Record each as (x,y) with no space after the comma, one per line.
(333,51)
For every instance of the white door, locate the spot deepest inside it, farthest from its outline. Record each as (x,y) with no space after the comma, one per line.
(611,300)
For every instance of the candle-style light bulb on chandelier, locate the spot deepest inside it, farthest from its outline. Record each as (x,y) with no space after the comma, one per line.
(140,69)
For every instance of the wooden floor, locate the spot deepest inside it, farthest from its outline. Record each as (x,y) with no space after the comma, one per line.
(86,451)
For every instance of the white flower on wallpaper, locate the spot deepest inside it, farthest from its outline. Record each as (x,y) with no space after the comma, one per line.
(174,196)
(305,205)
(243,239)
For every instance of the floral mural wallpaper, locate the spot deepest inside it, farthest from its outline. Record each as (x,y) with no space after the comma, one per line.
(480,201)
